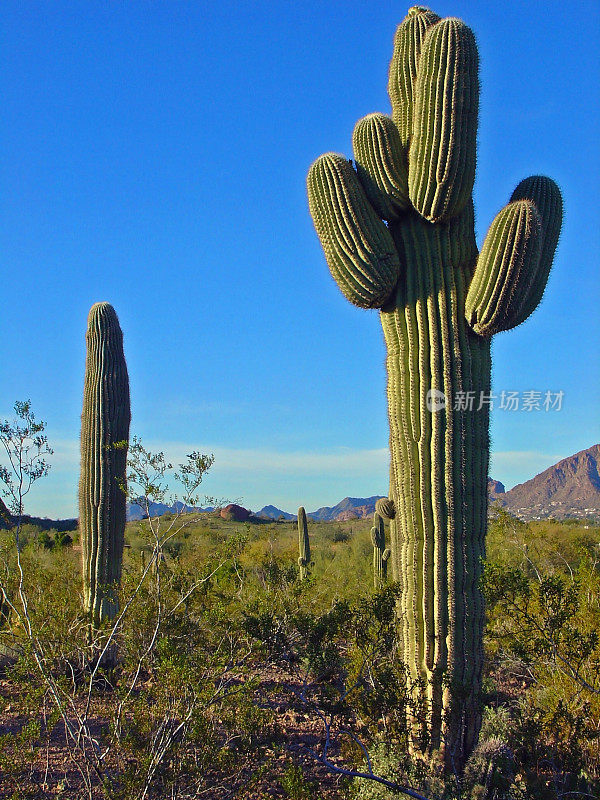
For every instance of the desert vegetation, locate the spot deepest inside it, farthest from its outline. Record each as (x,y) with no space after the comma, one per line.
(217,655)
(236,678)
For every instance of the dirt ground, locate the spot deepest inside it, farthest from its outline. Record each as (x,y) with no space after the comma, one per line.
(51,770)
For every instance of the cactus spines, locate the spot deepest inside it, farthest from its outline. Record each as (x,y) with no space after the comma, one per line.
(381,553)
(506,271)
(359,248)
(437,321)
(443,145)
(403,67)
(104,424)
(303,544)
(380,164)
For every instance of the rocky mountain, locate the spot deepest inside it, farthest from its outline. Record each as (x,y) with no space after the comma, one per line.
(348,508)
(495,488)
(234,513)
(570,488)
(272,512)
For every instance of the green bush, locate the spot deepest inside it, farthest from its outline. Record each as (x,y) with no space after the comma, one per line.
(543,630)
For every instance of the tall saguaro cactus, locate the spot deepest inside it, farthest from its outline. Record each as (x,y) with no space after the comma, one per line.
(303,544)
(381,553)
(398,235)
(104,424)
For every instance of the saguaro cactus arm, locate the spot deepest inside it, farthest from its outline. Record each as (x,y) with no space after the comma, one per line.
(359,248)
(380,165)
(514,264)
(443,146)
(506,270)
(408,42)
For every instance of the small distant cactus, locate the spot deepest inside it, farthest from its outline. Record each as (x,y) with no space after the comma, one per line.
(104,424)
(398,235)
(381,553)
(303,544)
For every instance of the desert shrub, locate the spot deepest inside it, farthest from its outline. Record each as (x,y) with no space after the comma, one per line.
(297,786)
(45,540)
(543,631)
(335,534)
(176,711)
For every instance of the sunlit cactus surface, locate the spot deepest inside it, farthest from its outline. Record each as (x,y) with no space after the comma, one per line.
(397,228)
(104,435)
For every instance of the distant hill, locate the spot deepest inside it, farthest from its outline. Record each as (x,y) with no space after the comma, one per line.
(7,520)
(570,488)
(272,512)
(348,508)
(137,512)
(495,488)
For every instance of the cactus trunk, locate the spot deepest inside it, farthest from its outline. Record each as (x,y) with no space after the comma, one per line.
(438,482)
(303,544)
(104,424)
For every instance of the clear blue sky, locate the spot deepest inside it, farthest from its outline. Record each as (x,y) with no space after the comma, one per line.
(154,155)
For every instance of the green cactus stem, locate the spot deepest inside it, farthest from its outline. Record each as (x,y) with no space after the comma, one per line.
(413,186)
(303,544)
(381,553)
(104,424)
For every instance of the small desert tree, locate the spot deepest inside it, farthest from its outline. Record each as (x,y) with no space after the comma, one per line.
(24,451)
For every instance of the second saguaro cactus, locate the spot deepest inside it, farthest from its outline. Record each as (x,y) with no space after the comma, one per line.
(381,553)
(104,435)
(398,234)
(303,544)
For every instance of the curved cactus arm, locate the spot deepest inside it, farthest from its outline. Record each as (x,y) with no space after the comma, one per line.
(358,246)
(545,194)
(386,554)
(374,537)
(385,508)
(442,153)
(403,67)
(507,270)
(381,165)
